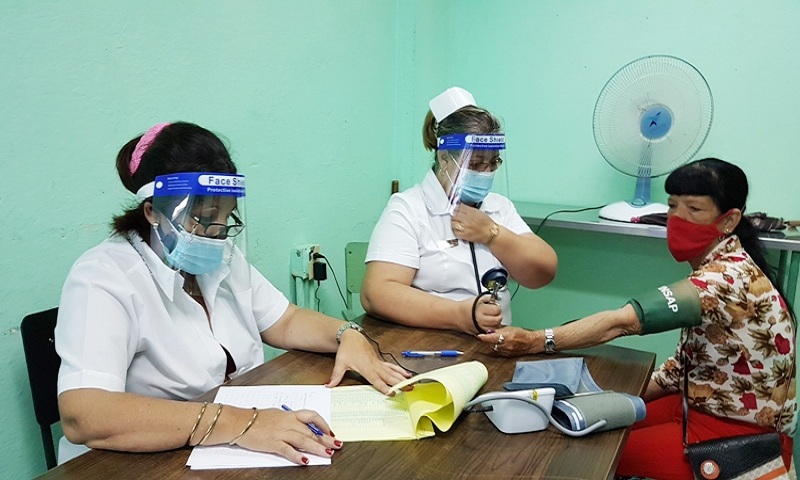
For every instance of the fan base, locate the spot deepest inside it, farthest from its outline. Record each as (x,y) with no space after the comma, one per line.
(626,212)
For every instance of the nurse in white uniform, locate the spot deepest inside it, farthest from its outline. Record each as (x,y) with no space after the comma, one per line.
(435,242)
(169,307)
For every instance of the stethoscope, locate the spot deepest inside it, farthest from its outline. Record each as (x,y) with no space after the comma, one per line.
(494,279)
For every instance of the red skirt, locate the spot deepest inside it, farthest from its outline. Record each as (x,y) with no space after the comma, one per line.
(655,445)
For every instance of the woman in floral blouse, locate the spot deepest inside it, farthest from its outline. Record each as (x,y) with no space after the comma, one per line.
(738,329)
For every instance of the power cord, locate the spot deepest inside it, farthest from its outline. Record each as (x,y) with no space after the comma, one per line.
(577,210)
(389,354)
(546,217)
(323,257)
(377,345)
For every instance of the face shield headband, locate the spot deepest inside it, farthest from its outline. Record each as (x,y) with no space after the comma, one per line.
(475,160)
(201,220)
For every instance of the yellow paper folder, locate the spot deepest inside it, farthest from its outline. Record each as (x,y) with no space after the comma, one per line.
(361,413)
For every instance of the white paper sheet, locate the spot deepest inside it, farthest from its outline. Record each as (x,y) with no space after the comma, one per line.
(297,397)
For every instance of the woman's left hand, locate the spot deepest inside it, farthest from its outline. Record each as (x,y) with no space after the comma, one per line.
(355,353)
(511,341)
(470,224)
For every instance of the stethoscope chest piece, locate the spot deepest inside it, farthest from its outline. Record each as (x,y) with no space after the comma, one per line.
(495,279)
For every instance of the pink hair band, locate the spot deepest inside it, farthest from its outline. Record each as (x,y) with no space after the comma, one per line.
(143,144)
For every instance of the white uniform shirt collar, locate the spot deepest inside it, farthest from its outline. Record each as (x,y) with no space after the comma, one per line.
(171,281)
(437,202)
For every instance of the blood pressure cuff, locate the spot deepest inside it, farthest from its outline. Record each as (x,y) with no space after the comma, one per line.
(567,376)
(668,307)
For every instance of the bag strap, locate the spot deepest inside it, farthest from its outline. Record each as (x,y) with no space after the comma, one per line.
(685,396)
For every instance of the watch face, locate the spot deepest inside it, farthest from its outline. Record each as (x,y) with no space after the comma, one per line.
(549,342)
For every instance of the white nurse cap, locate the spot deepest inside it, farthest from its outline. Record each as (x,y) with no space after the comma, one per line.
(450,101)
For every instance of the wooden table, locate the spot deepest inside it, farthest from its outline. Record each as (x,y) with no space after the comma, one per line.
(473,448)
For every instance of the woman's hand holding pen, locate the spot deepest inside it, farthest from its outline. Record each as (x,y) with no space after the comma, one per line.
(355,353)
(287,434)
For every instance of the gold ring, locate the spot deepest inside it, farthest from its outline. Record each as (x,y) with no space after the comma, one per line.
(459,227)
(501,339)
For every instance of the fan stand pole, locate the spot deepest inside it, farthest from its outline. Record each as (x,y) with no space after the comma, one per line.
(641,196)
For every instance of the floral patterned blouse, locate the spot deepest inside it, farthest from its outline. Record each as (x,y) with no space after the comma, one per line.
(741,356)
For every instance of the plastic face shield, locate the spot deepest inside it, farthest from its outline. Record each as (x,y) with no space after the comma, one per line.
(201,220)
(472,163)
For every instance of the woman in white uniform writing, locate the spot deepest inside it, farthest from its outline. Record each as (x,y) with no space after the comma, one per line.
(435,241)
(169,307)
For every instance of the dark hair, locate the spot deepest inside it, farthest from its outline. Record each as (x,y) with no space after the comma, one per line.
(464,120)
(726,185)
(179,147)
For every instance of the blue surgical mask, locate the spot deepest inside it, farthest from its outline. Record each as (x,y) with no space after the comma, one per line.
(194,254)
(476,186)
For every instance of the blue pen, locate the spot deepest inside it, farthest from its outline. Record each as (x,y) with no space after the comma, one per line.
(311,426)
(432,353)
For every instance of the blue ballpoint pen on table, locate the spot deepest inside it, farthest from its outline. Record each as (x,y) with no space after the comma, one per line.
(310,425)
(432,353)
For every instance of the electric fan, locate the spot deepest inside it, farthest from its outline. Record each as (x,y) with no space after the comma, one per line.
(652,116)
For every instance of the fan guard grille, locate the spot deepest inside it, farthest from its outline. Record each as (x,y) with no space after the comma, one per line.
(658,87)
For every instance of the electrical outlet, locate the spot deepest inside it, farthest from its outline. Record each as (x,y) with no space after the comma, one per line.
(318,270)
(300,259)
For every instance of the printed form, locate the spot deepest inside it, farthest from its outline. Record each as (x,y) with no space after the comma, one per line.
(297,397)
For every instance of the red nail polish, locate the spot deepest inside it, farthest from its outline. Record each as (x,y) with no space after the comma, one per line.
(332,435)
(337,443)
(329,451)
(305,460)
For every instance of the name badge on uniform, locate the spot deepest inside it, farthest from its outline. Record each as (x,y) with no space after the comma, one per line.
(445,244)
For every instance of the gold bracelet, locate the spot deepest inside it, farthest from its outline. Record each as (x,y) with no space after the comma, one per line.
(249,424)
(197,422)
(493,233)
(211,427)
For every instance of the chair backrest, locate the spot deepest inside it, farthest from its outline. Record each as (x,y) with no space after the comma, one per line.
(38,342)
(354,255)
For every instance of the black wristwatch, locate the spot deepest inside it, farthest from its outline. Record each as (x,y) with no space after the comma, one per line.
(549,341)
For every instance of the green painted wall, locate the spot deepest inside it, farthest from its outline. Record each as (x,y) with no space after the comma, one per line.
(541,66)
(304,92)
(322,105)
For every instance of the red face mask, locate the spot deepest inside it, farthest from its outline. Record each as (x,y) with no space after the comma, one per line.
(687,240)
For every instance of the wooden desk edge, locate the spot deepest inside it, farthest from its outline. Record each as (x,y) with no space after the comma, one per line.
(82,467)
